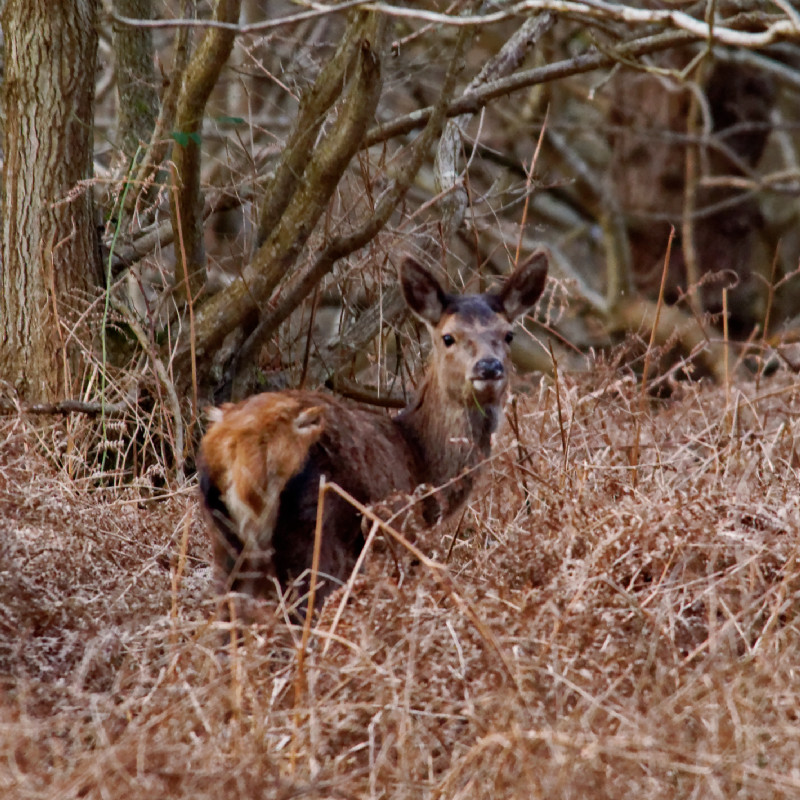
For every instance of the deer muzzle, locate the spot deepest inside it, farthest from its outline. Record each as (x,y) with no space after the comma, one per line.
(488,369)
(488,376)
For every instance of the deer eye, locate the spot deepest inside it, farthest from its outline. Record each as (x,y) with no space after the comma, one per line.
(448,340)
(509,337)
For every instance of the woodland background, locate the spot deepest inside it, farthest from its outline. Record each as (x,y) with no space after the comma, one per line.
(202,200)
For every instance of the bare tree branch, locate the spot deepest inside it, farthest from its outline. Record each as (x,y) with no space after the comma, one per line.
(301,287)
(64,407)
(258,27)
(786,27)
(506,61)
(230,307)
(298,150)
(473,102)
(187,202)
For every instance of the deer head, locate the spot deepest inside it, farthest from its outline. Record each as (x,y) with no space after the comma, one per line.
(472,334)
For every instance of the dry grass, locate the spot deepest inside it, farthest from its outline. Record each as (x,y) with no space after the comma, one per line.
(630,642)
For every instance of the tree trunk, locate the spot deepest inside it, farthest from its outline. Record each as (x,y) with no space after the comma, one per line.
(50,259)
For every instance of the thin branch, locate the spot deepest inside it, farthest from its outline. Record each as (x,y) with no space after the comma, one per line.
(776,29)
(160,142)
(634,455)
(160,235)
(63,407)
(257,27)
(474,101)
(448,176)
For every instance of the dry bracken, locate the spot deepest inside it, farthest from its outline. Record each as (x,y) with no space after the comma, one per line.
(579,634)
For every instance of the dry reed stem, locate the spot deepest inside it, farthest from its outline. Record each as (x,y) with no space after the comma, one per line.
(528,181)
(348,588)
(647,356)
(768,309)
(180,566)
(564,442)
(300,682)
(726,343)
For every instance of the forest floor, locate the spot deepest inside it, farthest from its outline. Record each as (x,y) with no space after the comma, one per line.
(600,630)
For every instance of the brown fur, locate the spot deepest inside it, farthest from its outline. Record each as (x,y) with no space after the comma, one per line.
(260,462)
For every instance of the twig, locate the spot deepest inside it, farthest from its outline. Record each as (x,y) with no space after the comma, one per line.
(564,442)
(177,574)
(160,140)
(634,456)
(528,182)
(768,311)
(362,556)
(235,661)
(65,407)
(455,535)
(691,171)
(178,227)
(474,101)
(726,342)
(503,63)
(256,27)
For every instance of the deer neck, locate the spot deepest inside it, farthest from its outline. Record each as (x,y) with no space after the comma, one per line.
(447,435)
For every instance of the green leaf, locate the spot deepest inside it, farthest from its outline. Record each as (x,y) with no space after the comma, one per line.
(226,120)
(183,138)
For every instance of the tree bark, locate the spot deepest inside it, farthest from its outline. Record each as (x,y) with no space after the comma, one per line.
(50,259)
(137,92)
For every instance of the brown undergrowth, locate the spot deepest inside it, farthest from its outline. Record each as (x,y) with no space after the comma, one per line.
(593,635)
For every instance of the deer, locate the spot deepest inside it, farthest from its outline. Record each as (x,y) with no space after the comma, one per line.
(261,460)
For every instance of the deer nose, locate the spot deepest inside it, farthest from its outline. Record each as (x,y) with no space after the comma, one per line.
(488,369)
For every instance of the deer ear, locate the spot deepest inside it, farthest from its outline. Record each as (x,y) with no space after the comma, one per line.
(309,423)
(216,413)
(422,292)
(524,286)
